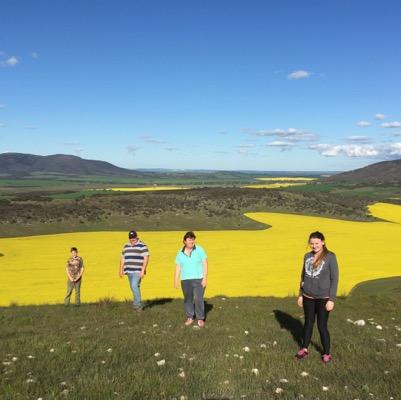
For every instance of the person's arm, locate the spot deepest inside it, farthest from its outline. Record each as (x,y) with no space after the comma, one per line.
(333,282)
(121,268)
(177,275)
(68,273)
(300,297)
(205,272)
(81,270)
(145,264)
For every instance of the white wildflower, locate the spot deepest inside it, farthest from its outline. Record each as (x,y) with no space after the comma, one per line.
(31,357)
(83,327)
(182,375)
(155,325)
(143,332)
(226,382)
(283,381)
(183,397)
(350,321)
(183,356)
(51,350)
(325,388)
(63,384)
(30,380)
(235,355)
(14,358)
(64,392)
(241,357)
(162,362)
(255,371)
(6,363)
(274,343)
(109,350)
(398,345)
(121,323)
(227,355)
(279,390)
(378,327)
(157,354)
(246,332)
(360,322)
(74,351)
(246,349)
(262,345)
(386,372)
(304,374)
(103,362)
(223,299)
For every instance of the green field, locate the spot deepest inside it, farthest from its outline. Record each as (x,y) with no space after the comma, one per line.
(106,351)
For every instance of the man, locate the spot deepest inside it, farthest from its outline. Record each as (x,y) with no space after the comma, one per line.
(74,269)
(133,263)
(192,267)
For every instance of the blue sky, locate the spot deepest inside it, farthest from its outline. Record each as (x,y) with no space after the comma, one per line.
(261,85)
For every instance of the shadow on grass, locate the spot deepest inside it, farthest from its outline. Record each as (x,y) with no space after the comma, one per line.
(157,302)
(208,308)
(294,326)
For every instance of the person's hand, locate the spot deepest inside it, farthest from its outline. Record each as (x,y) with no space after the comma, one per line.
(329,306)
(300,301)
(204,282)
(176,285)
(121,274)
(142,274)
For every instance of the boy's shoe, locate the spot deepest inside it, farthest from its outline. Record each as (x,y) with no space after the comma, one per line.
(138,309)
(302,353)
(189,321)
(326,358)
(201,323)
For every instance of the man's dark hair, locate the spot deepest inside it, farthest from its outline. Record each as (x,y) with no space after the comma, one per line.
(189,234)
(132,234)
(73,249)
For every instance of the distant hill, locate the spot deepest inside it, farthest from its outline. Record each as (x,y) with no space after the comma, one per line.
(387,172)
(20,164)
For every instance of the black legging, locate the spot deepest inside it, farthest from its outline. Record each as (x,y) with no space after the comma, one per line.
(312,308)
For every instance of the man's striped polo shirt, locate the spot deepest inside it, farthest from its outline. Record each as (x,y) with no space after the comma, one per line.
(134,256)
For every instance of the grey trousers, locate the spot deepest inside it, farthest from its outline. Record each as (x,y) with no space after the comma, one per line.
(70,286)
(194,303)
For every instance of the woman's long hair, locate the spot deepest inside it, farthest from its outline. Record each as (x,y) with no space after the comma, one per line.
(325,251)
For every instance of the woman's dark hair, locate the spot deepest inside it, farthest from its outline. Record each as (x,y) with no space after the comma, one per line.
(189,234)
(325,251)
(73,249)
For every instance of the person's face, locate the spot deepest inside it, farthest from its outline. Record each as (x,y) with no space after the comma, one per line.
(74,254)
(316,244)
(133,240)
(189,243)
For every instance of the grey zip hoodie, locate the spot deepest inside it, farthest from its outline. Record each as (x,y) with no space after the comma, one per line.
(321,281)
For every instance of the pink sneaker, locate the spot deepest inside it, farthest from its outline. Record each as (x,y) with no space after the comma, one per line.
(302,353)
(201,323)
(326,358)
(189,321)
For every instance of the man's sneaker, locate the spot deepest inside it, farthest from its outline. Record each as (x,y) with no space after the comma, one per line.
(138,309)
(302,353)
(189,321)
(201,323)
(326,358)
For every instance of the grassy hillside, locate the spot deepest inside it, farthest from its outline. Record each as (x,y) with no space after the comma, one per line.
(106,351)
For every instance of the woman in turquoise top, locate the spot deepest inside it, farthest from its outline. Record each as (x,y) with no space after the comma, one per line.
(192,266)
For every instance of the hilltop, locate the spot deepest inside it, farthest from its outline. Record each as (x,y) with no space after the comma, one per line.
(387,172)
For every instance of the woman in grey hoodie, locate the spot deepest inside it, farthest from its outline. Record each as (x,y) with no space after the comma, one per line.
(318,289)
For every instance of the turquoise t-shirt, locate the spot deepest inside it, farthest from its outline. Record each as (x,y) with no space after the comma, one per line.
(191,266)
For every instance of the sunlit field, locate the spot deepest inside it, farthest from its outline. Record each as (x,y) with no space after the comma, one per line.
(275,185)
(286,179)
(242,263)
(139,189)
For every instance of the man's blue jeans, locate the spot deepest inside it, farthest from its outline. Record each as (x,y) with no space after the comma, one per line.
(135,283)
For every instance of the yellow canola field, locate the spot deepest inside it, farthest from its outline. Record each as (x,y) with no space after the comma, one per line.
(242,263)
(139,189)
(275,185)
(286,179)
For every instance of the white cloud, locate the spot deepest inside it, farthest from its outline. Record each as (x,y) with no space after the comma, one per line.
(300,74)
(395,149)
(2,125)
(132,149)
(223,132)
(359,138)
(11,62)
(291,134)
(380,116)
(171,149)
(35,55)
(397,133)
(282,145)
(394,124)
(151,139)
(363,123)
(349,150)
(78,152)
(2,106)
